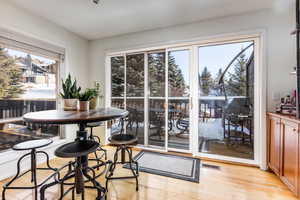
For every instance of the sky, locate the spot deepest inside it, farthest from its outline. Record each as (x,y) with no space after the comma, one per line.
(212,57)
(17,53)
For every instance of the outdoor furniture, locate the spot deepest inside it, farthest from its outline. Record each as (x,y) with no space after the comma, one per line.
(82,119)
(123,142)
(135,116)
(32,146)
(241,122)
(237,115)
(183,124)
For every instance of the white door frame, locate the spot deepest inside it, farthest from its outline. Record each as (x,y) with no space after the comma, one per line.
(259,106)
(260,89)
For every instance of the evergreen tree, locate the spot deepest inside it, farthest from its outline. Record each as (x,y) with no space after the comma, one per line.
(177,86)
(217,89)
(156,73)
(237,83)
(10,76)
(117,76)
(135,75)
(206,82)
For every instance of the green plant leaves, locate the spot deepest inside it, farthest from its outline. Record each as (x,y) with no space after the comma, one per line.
(70,89)
(87,95)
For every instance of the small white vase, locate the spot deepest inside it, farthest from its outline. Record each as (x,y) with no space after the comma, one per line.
(84,105)
(70,104)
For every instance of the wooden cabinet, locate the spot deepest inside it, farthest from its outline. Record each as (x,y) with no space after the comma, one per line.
(289,154)
(283,149)
(274,139)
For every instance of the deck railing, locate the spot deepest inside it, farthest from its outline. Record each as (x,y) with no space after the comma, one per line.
(12,108)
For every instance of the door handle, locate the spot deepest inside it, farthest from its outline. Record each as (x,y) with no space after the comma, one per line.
(191,102)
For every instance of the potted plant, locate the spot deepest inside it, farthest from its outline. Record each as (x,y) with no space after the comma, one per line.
(70,93)
(84,100)
(94,100)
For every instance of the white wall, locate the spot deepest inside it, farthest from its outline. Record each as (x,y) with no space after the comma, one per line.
(76,61)
(18,20)
(280,46)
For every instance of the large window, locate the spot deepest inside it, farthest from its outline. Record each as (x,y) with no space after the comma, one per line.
(28,83)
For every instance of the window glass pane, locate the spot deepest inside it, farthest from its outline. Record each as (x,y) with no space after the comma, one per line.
(179,82)
(135,119)
(135,75)
(27,84)
(156,129)
(117,124)
(156,73)
(117,76)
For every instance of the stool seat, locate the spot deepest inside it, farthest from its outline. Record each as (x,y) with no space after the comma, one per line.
(123,139)
(76,149)
(32,144)
(94,124)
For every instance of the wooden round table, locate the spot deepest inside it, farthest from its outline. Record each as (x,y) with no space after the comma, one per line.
(82,118)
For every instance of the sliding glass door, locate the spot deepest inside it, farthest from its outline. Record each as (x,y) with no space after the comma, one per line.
(156,95)
(226,100)
(135,75)
(117,87)
(156,99)
(127,92)
(197,99)
(179,99)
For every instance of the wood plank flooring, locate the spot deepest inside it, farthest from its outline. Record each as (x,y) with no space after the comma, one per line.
(231,182)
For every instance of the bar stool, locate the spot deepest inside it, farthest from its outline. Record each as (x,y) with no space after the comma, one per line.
(78,150)
(31,145)
(123,142)
(97,139)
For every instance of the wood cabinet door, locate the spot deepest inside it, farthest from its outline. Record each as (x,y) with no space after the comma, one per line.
(289,154)
(274,143)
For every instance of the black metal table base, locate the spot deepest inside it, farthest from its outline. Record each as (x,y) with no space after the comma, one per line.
(80,172)
(81,175)
(33,171)
(110,172)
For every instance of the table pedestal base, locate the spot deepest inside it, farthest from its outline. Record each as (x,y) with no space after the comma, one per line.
(81,173)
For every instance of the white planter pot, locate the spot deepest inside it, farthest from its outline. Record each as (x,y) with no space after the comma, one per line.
(84,105)
(70,104)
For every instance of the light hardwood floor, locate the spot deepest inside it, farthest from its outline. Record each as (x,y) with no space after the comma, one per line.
(231,182)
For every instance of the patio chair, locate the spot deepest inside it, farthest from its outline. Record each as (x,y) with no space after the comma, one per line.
(237,113)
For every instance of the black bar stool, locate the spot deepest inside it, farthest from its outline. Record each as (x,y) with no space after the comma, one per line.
(78,150)
(31,145)
(97,139)
(123,142)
